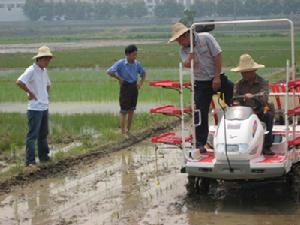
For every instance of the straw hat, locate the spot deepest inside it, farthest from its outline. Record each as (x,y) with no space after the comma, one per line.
(178,29)
(247,64)
(43,52)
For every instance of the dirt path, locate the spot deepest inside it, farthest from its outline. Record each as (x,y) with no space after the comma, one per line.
(128,188)
(75,107)
(58,46)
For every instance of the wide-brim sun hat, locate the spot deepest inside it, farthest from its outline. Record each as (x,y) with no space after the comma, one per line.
(43,51)
(178,29)
(247,63)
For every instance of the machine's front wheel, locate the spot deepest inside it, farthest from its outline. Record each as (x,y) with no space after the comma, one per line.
(199,185)
(204,185)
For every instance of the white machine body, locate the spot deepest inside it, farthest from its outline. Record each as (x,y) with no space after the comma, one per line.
(244,135)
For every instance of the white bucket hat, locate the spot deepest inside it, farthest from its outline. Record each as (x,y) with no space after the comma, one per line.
(43,52)
(247,64)
(178,29)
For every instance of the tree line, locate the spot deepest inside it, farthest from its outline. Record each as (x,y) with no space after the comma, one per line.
(79,10)
(246,7)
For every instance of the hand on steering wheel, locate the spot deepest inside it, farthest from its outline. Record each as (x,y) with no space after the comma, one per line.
(243,98)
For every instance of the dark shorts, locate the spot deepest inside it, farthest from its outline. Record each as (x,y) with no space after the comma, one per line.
(128,96)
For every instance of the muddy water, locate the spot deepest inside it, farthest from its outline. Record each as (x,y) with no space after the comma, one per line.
(131,187)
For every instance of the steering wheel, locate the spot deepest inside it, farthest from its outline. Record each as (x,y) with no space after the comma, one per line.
(257,102)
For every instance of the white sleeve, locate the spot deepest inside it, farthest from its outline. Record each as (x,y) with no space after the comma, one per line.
(213,45)
(26,76)
(48,81)
(183,55)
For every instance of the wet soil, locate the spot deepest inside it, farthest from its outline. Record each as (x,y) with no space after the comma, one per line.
(58,167)
(133,186)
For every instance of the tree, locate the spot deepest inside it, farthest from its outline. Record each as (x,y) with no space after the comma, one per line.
(119,11)
(59,9)
(251,8)
(136,9)
(168,9)
(32,9)
(276,7)
(76,10)
(188,18)
(291,6)
(103,10)
(47,11)
(225,8)
(204,8)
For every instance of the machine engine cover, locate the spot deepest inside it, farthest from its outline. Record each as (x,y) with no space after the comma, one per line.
(244,135)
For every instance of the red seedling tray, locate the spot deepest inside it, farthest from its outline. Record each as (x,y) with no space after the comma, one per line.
(170,138)
(168,83)
(170,110)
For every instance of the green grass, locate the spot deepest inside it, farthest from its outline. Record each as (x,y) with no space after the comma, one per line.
(66,31)
(79,75)
(269,50)
(92,85)
(149,55)
(86,37)
(89,85)
(90,129)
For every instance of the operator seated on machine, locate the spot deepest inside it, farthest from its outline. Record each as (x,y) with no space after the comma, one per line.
(255,92)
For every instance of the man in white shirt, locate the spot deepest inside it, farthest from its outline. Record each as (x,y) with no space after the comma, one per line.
(35,82)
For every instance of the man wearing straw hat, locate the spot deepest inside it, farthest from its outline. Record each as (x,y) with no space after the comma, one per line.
(208,76)
(35,82)
(255,91)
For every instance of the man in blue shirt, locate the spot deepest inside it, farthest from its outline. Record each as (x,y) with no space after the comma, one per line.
(127,72)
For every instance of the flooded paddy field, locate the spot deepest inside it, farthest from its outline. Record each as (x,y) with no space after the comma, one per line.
(134,186)
(58,46)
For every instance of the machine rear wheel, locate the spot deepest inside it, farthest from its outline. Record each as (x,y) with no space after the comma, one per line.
(295,182)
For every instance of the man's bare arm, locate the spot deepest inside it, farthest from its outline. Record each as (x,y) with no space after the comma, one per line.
(25,88)
(140,84)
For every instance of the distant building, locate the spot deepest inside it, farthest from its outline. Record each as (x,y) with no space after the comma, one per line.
(12,10)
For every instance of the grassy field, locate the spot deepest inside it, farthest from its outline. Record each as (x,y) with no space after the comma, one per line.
(79,75)
(88,85)
(67,31)
(91,85)
(90,129)
(269,50)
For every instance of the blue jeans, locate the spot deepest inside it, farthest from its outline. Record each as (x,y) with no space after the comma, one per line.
(38,130)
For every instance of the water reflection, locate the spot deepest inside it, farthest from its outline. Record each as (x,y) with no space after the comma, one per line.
(258,204)
(122,188)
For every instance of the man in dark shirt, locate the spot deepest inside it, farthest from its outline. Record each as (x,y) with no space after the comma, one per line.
(255,90)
